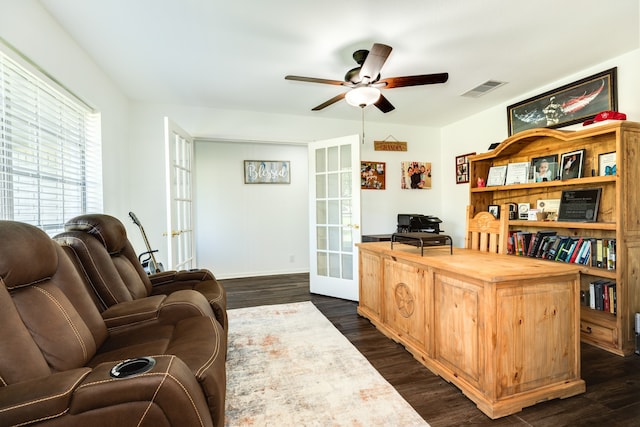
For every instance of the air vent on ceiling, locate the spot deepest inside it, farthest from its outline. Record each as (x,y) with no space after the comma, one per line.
(482,89)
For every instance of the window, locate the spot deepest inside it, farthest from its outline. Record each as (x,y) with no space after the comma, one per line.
(50,152)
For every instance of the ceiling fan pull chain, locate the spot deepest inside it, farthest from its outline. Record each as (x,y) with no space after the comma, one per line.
(362,108)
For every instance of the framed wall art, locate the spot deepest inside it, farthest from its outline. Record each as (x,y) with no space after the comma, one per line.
(267,172)
(372,175)
(566,105)
(416,175)
(462,168)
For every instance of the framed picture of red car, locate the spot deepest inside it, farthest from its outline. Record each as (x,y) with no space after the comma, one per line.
(569,104)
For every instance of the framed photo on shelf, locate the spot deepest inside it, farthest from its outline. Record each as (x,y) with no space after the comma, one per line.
(571,164)
(495,210)
(462,168)
(517,173)
(497,175)
(579,205)
(607,164)
(545,168)
(566,105)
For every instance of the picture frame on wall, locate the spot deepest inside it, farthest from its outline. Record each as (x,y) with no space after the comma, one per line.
(267,172)
(415,175)
(462,168)
(372,175)
(569,104)
(571,164)
(494,210)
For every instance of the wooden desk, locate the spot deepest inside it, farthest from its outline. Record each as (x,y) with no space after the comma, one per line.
(503,329)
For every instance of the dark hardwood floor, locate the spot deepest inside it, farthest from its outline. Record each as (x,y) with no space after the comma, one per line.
(613,382)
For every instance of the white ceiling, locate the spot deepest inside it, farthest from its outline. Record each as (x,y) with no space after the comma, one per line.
(234,54)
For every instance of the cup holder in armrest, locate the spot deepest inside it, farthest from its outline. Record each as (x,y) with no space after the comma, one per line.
(131,367)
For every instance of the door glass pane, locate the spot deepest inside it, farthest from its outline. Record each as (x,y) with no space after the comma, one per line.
(333,184)
(345,157)
(334,238)
(323,267)
(321,235)
(347,240)
(345,178)
(333,162)
(321,212)
(321,186)
(347,266)
(346,212)
(321,160)
(334,265)
(334,212)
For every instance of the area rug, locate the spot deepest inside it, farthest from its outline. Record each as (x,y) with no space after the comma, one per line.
(287,365)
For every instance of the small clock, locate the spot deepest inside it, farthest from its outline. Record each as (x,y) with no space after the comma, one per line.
(523,210)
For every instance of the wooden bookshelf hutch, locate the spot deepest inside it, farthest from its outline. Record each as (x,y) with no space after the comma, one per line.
(618,214)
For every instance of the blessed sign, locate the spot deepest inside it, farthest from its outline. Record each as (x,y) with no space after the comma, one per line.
(267,172)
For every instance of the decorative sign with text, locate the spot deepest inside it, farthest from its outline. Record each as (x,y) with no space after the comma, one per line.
(389,145)
(267,172)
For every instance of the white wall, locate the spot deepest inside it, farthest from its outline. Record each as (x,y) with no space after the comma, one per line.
(247,230)
(476,133)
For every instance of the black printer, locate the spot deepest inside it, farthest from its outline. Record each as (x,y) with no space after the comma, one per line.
(410,223)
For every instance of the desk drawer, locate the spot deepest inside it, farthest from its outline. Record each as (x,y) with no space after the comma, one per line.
(603,336)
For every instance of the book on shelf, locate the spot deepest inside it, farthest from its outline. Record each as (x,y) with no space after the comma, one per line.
(611,254)
(603,253)
(575,250)
(602,296)
(599,252)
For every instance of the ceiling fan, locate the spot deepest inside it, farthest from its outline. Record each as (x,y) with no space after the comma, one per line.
(365,82)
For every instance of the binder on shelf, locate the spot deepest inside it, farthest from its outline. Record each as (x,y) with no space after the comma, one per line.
(599,252)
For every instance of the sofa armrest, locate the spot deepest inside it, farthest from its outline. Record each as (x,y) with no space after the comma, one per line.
(169,386)
(132,312)
(182,304)
(39,399)
(168,394)
(195,275)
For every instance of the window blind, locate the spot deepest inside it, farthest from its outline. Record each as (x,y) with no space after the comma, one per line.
(50,151)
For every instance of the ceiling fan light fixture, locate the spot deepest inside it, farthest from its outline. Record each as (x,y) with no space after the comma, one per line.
(362,96)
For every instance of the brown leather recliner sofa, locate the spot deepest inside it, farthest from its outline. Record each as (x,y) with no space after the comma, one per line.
(100,248)
(60,365)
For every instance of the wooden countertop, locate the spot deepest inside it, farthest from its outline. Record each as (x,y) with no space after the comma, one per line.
(474,264)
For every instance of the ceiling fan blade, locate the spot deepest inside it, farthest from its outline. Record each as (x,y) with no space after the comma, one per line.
(373,64)
(314,80)
(384,105)
(422,79)
(329,102)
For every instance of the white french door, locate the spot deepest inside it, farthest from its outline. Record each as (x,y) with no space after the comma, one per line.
(334,194)
(180,233)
